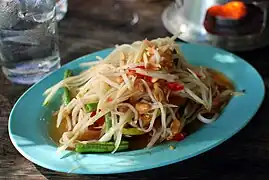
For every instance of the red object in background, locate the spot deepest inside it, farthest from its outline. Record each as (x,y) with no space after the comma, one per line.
(234,19)
(232,10)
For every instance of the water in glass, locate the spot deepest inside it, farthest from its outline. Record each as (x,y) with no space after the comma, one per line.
(28,39)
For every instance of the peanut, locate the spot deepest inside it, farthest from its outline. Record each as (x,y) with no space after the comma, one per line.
(138,85)
(146,118)
(119,80)
(142,108)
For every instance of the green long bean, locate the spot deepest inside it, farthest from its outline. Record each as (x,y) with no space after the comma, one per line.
(132,131)
(100,147)
(91,107)
(108,121)
(67,94)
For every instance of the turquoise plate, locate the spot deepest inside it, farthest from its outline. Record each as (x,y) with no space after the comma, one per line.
(28,122)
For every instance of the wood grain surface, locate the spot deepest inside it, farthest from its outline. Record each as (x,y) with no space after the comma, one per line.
(92,25)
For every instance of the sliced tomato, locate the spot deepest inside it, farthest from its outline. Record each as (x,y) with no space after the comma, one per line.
(97,123)
(179,137)
(100,121)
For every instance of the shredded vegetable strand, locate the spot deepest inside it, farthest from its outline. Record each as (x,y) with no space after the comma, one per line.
(69,123)
(132,108)
(163,117)
(60,116)
(149,91)
(111,131)
(154,138)
(142,88)
(153,118)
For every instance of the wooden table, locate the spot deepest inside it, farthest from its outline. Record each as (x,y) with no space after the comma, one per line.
(92,25)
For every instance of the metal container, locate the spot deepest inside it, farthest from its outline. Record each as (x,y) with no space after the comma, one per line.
(187,18)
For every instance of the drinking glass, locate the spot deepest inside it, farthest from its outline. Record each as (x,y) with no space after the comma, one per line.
(61,9)
(28,39)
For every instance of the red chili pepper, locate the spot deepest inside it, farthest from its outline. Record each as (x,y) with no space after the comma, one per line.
(93,113)
(109,99)
(131,72)
(198,75)
(179,137)
(145,77)
(139,76)
(142,76)
(141,67)
(148,78)
(175,86)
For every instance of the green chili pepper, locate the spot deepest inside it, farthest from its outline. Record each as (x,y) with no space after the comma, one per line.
(91,107)
(108,121)
(158,113)
(67,95)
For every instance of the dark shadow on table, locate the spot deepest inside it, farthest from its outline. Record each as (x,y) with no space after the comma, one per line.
(12,91)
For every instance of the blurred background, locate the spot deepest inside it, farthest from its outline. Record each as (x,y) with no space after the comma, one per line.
(29,34)
(97,24)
